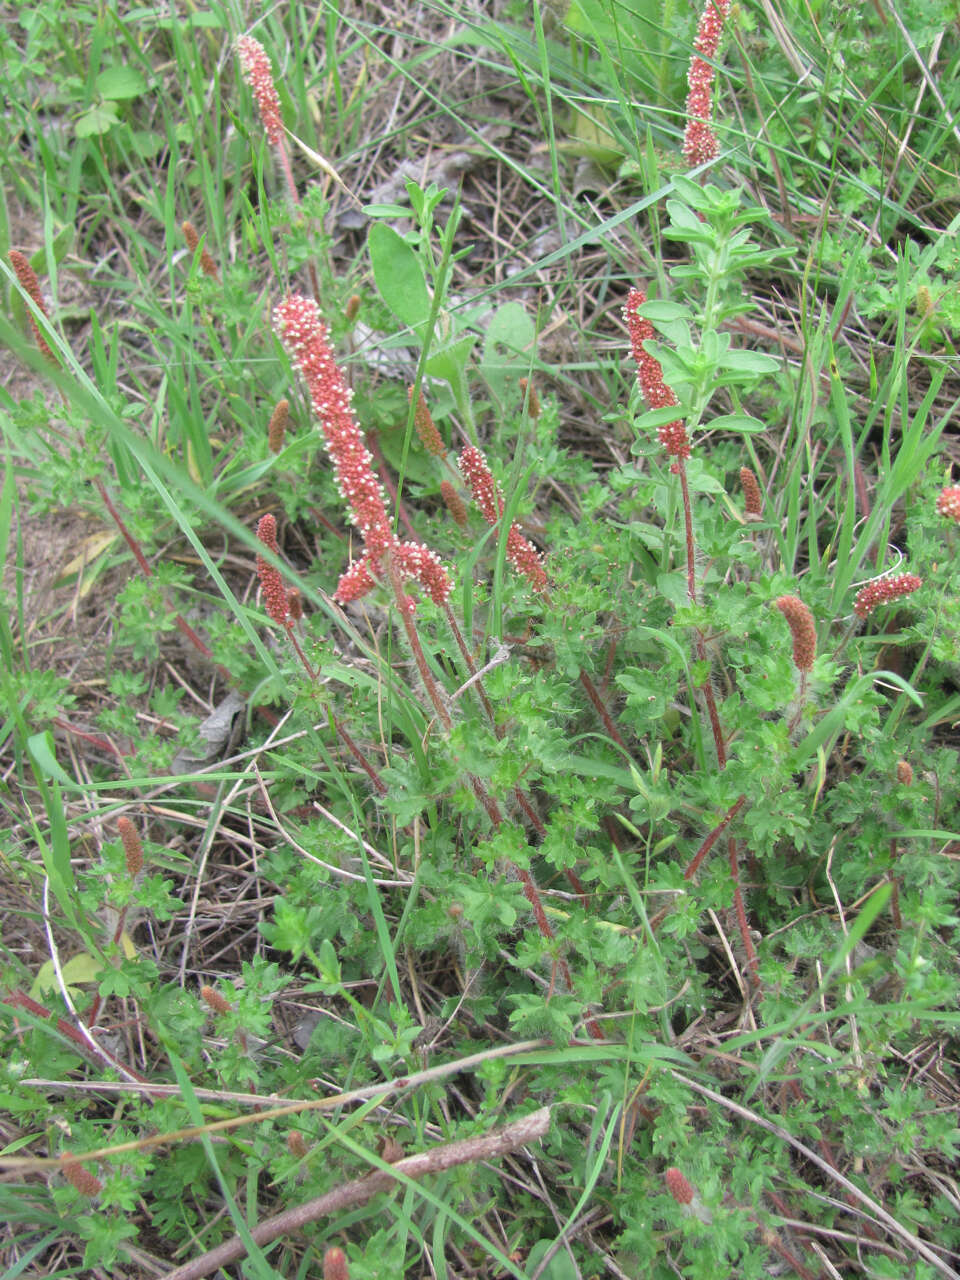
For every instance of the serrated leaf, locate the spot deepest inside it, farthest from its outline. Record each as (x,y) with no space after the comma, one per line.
(83,967)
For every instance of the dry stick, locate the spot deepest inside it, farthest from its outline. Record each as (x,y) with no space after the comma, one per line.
(878,1211)
(438,1159)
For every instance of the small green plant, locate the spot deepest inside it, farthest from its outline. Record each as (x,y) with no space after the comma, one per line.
(495,752)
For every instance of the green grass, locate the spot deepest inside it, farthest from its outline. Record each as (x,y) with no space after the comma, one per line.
(431,884)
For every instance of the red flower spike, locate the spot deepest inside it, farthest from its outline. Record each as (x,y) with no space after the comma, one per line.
(883,590)
(416,561)
(678,1186)
(672,435)
(256,69)
(948,503)
(800,621)
(699,142)
(271,580)
(521,553)
(355,582)
(298,324)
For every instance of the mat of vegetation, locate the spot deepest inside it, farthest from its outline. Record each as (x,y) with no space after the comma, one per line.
(478,641)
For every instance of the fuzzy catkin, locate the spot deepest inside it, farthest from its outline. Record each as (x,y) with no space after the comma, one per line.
(679,1186)
(752,497)
(214,1000)
(81,1178)
(804,633)
(207,264)
(132,848)
(426,427)
(454,503)
(277,426)
(28,281)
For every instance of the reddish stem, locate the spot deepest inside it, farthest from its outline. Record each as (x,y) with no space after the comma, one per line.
(601,710)
(712,838)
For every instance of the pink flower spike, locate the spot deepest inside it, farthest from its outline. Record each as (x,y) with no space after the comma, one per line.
(414,560)
(948,503)
(883,590)
(256,69)
(521,553)
(700,143)
(355,582)
(272,590)
(672,435)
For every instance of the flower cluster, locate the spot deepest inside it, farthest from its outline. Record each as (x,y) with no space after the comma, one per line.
(298,324)
(883,590)
(256,69)
(27,278)
(699,141)
(804,633)
(948,502)
(672,435)
(522,554)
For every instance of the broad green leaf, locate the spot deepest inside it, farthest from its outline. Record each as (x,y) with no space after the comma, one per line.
(398,273)
(736,422)
(120,83)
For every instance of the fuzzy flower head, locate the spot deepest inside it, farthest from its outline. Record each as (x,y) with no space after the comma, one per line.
(699,142)
(256,69)
(948,503)
(804,633)
(521,553)
(678,1185)
(752,497)
(883,590)
(27,279)
(672,435)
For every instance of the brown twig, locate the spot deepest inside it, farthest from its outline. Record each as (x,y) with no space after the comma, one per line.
(438,1159)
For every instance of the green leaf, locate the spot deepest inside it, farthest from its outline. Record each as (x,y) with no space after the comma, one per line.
(749,361)
(399,275)
(97,120)
(120,83)
(737,422)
